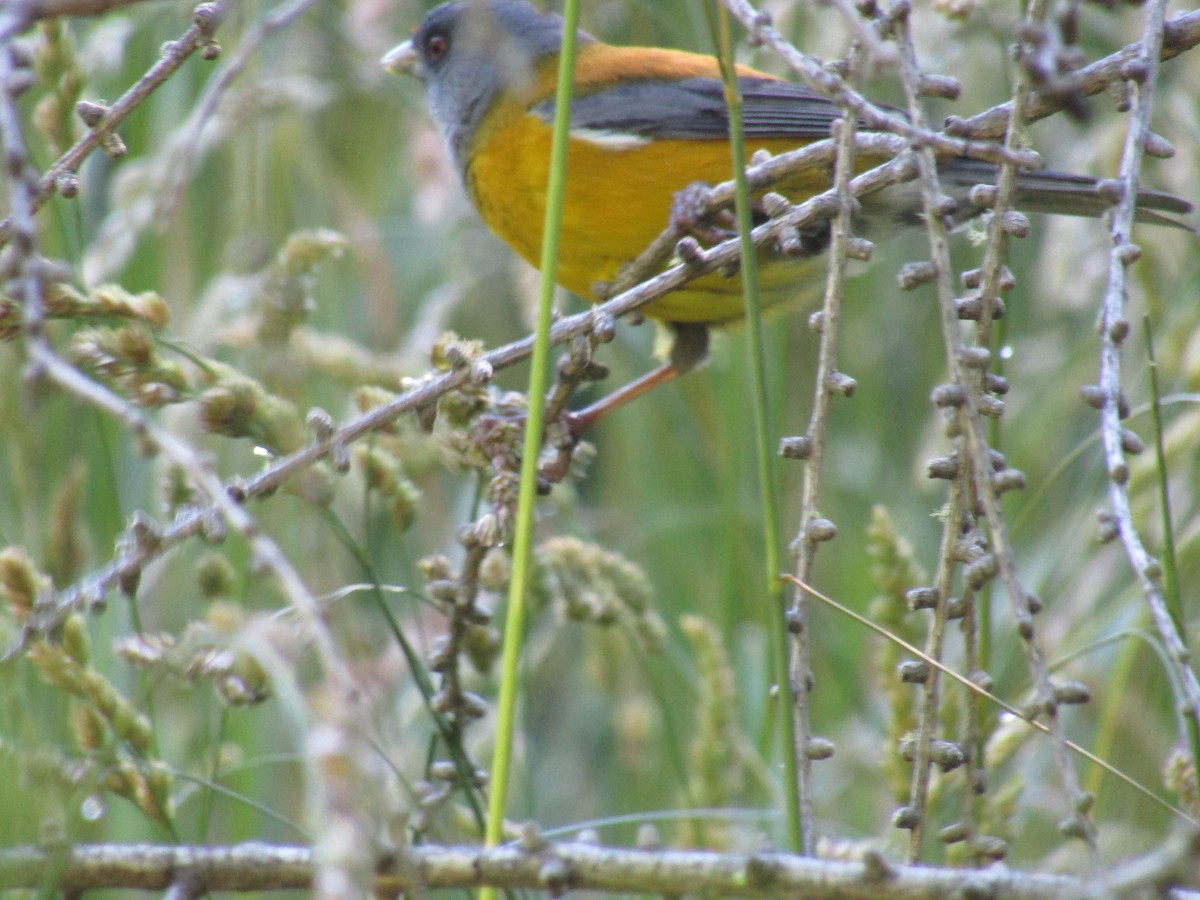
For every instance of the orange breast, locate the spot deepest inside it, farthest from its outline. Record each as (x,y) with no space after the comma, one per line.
(618,199)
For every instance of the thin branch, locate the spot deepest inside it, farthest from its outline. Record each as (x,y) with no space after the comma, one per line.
(871,116)
(974,451)
(914,817)
(338,806)
(878,51)
(45,363)
(1026,715)
(1178,35)
(830,384)
(560,867)
(992,281)
(1182,33)
(175,53)
(1142,70)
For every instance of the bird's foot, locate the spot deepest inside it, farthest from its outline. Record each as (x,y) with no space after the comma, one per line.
(690,215)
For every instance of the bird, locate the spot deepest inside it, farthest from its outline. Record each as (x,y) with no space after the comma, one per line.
(645,124)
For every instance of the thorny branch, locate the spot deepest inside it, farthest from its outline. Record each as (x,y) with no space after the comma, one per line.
(1177,35)
(830,383)
(61,176)
(871,116)
(1142,70)
(975,455)
(961,532)
(914,816)
(332,443)
(974,447)
(992,279)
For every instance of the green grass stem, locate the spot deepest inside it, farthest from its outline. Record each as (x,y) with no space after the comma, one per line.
(1168,555)
(764,456)
(514,624)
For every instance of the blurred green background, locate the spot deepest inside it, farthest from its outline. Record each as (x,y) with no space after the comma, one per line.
(312,134)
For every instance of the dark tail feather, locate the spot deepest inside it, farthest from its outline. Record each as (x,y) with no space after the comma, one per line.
(1069,195)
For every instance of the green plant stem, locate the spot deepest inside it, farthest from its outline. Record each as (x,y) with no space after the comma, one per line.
(1170,572)
(1112,708)
(765,460)
(514,624)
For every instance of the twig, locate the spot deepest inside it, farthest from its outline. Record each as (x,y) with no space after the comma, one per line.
(914,816)
(200,36)
(759,177)
(182,454)
(992,281)
(830,383)
(45,363)
(30,270)
(870,115)
(1027,715)
(558,867)
(877,50)
(1183,33)
(339,739)
(974,451)
(1179,34)
(1143,71)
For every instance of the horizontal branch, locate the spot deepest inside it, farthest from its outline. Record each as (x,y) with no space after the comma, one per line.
(1180,34)
(568,866)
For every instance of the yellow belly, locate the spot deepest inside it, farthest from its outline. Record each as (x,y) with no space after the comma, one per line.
(617,201)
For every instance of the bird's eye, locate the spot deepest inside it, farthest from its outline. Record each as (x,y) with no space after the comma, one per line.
(436,46)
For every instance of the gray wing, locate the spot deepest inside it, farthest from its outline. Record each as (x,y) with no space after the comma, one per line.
(695,108)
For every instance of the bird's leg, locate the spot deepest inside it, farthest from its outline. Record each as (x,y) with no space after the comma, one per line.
(688,350)
(580,421)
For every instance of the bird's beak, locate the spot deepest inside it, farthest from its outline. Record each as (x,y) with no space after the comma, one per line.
(403,60)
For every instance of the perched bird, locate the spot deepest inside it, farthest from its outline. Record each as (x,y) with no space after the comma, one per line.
(646,123)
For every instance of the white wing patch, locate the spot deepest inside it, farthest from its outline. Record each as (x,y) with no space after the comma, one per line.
(610,140)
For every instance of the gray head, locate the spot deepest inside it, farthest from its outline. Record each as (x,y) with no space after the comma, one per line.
(470,51)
